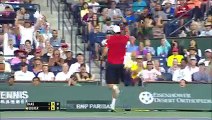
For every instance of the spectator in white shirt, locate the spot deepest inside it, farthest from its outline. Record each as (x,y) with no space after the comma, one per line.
(27,31)
(174,67)
(207,31)
(150,74)
(95,5)
(208,57)
(64,75)
(24,74)
(46,75)
(75,67)
(181,74)
(114,13)
(4,66)
(8,45)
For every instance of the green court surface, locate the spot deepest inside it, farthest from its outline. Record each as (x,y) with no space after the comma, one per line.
(133,114)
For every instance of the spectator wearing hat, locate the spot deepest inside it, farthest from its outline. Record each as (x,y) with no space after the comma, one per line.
(18,54)
(201,75)
(175,44)
(164,48)
(207,31)
(45,75)
(64,75)
(168,9)
(64,47)
(69,58)
(4,66)
(208,57)
(75,67)
(191,68)
(175,55)
(55,40)
(149,74)
(24,74)
(192,52)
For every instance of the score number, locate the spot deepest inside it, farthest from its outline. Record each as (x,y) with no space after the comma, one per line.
(43,106)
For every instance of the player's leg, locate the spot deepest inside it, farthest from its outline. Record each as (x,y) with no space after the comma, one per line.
(112,81)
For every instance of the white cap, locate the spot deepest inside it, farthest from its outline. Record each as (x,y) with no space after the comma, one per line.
(208,50)
(116,29)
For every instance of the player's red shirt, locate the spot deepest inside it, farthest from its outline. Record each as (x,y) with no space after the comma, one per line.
(116,45)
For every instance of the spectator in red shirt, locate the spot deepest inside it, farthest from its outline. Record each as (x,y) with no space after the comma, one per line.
(115,50)
(182,11)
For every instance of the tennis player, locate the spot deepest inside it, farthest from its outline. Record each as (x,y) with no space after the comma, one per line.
(115,50)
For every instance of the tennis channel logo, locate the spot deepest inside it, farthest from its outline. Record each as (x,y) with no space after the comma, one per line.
(13,97)
(167,98)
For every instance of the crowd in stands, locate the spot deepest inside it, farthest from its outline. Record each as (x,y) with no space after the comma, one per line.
(37,53)
(32,51)
(144,20)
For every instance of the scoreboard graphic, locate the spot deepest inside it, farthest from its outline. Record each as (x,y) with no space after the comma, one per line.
(42,106)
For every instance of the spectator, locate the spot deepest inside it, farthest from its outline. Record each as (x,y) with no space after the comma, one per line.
(83,75)
(18,54)
(148,57)
(158,12)
(94,4)
(139,6)
(135,69)
(38,54)
(64,75)
(95,39)
(148,47)
(115,14)
(75,67)
(192,53)
(69,58)
(158,29)
(55,40)
(201,75)
(194,29)
(36,81)
(192,68)
(176,45)
(158,67)
(150,74)
(4,66)
(108,26)
(141,50)
(56,60)
(21,13)
(64,47)
(175,67)
(182,11)
(122,5)
(9,47)
(182,73)
(130,17)
(49,54)
(207,31)
(193,44)
(208,57)
(37,66)
(144,28)
(45,75)
(23,59)
(24,74)
(28,47)
(26,31)
(164,48)
(94,21)
(168,9)
(102,18)
(84,9)
(131,47)
(174,55)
